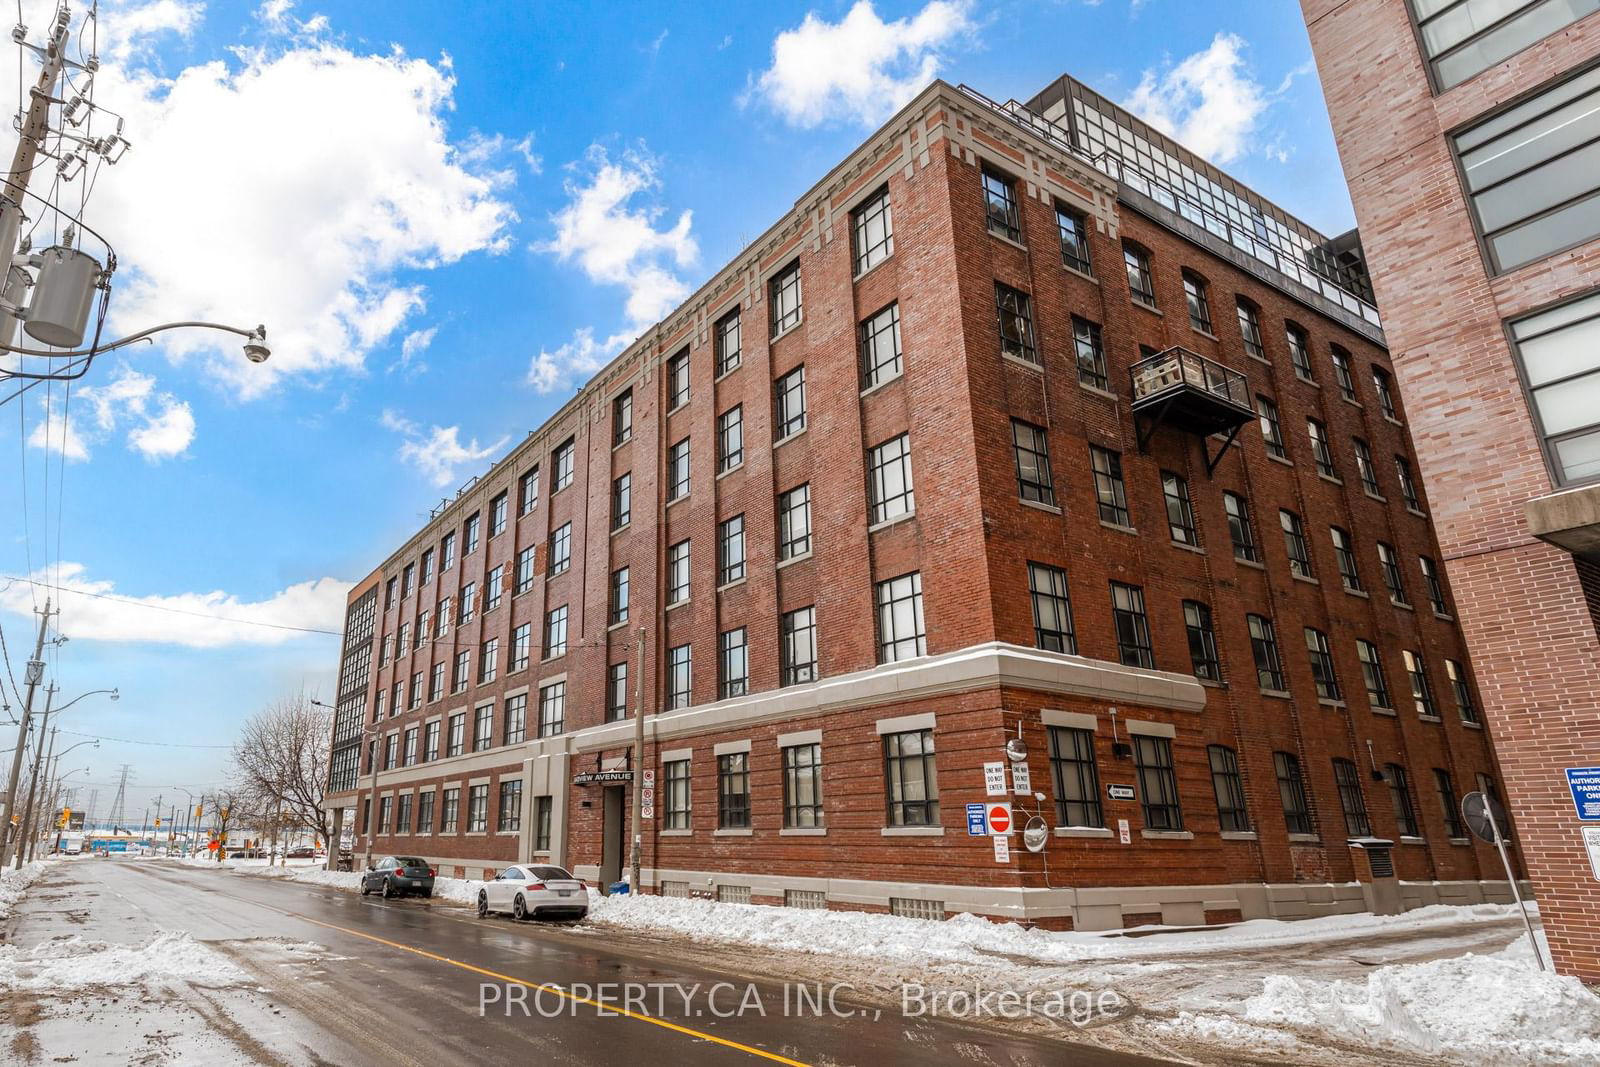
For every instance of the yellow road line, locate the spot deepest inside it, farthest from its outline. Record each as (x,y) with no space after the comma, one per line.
(540,987)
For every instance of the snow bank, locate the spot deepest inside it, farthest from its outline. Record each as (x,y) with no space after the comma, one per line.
(73,962)
(14,884)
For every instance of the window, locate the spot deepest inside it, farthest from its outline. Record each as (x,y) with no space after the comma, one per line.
(1240,531)
(1531,173)
(388,594)
(497,515)
(1202,641)
(399,699)
(1348,779)
(730,439)
(802,786)
(1430,578)
(425,812)
(1417,674)
(1389,563)
(617,692)
(1052,609)
(1158,784)
(552,709)
(889,479)
(411,746)
(1131,627)
(1385,389)
(1461,686)
(1322,671)
(733,664)
(1075,776)
(525,569)
(561,549)
(1073,227)
(680,677)
(1299,352)
(912,779)
(416,690)
(678,573)
(1486,786)
(1294,542)
(1194,292)
(1319,448)
(618,612)
(791,403)
(1091,354)
(430,742)
(1140,287)
(1364,467)
(678,470)
(730,551)
(873,229)
(483,728)
(1271,432)
(1032,453)
(1344,554)
(1250,328)
(408,580)
(562,463)
(1408,487)
(516,719)
(1108,488)
(1560,354)
(1014,313)
(1372,674)
(385,806)
(402,643)
(880,347)
(469,535)
(1447,801)
(733,790)
(492,591)
(1292,791)
(402,821)
(1180,516)
(451,812)
(1341,372)
(427,567)
(477,809)
(1229,787)
(622,418)
(1264,649)
(528,492)
(436,681)
(678,380)
(459,678)
(900,632)
(543,807)
(510,806)
(555,632)
(442,622)
(729,346)
(377,706)
(675,790)
(1000,204)
(1466,37)
(794,522)
(424,628)
(798,646)
(1405,805)
(622,500)
(784,292)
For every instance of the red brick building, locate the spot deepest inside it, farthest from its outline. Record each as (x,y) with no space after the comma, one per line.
(968,446)
(1470,133)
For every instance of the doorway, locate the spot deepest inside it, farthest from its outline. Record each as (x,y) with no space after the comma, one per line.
(611,841)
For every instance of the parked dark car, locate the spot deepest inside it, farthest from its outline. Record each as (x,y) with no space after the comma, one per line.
(303,852)
(397,875)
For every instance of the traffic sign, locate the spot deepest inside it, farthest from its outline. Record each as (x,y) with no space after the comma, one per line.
(1002,849)
(647,811)
(1485,815)
(649,777)
(977,820)
(1119,792)
(1021,781)
(999,818)
(1585,785)
(994,779)
(1591,843)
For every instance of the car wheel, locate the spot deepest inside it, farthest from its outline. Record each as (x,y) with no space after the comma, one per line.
(519,908)
(366,887)
(388,889)
(483,904)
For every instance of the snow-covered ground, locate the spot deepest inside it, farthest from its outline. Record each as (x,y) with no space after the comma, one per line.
(14,884)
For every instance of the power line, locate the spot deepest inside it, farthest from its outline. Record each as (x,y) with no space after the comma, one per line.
(175,611)
(131,741)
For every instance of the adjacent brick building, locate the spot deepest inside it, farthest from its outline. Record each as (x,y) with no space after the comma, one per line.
(1470,134)
(968,446)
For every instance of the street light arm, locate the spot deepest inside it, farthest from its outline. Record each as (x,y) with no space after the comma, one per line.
(257,334)
(69,748)
(114,696)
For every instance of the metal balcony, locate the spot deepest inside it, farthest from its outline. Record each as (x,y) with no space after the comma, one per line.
(1188,392)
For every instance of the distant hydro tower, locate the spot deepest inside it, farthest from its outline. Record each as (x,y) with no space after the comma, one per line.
(118,803)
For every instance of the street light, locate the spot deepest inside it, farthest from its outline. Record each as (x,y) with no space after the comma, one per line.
(38,759)
(371,730)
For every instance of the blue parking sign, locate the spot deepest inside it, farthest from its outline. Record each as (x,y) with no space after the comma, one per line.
(1585,785)
(977,820)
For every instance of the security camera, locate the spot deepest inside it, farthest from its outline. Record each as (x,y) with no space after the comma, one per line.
(255,346)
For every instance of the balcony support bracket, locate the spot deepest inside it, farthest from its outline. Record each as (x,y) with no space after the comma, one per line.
(1212,461)
(1151,424)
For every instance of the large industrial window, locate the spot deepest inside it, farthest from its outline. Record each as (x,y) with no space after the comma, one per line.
(1264,649)
(675,776)
(798,646)
(794,522)
(1140,285)
(1560,351)
(1271,431)
(880,347)
(678,470)
(1202,641)
(1239,529)
(1292,790)
(790,398)
(1461,685)
(911,778)
(1074,230)
(1180,515)
(680,677)
(1091,353)
(889,480)
(1194,292)
(730,550)
(1014,314)
(1109,491)
(874,231)
(729,341)
(733,791)
(1131,625)
(678,573)
(678,380)
(1076,777)
(1294,543)
(900,628)
(1052,608)
(1348,779)
(730,439)
(1229,787)
(733,663)
(1405,805)
(784,291)
(1344,553)
(1461,38)
(1158,784)
(1032,451)
(802,786)
(1000,204)
(1533,173)
(1322,671)
(1372,674)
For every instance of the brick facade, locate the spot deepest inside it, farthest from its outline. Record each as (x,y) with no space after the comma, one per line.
(1530,626)
(970,539)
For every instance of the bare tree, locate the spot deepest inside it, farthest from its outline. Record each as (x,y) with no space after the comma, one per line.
(282,762)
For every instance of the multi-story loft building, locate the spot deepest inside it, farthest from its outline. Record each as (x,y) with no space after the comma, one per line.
(1024,422)
(1470,132)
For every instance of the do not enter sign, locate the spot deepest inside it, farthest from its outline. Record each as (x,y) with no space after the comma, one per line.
(999,818)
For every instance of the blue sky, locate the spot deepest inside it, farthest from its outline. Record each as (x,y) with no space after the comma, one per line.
(446,214)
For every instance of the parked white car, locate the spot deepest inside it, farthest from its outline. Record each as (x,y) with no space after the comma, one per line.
(534,891)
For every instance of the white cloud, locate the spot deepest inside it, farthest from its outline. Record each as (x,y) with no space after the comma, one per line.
(575,360)
(416,343)
(158,425)
(136,22)
(615,241)
(195,620)
(861,68)
(437,452)
(1209,101)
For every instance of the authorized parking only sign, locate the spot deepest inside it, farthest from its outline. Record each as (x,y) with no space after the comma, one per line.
(1585,785)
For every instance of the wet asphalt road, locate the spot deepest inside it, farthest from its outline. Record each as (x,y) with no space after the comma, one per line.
(399,983)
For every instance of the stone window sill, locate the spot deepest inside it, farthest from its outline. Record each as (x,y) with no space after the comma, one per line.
(1019,361)
(1277,694)
(731,470)
(1204,333)
(1037,505)
(794,559)
(1304,578)
(737,831)
(1467,841)
(1085,276)
(912,831)
(1250,563)
(1330,479)
(1012,241)
(1239,835)
(1083,831)
(1280,459)
(787,330)
(1376,496)
(677,604)
(780,442)
(857,277)
(1389,712)
(1414,511)
(869,390)
(1413,840)
(1151,308)
(1196,549)
(803,831)
(1095,390)
(1166,835)
(1401,604)
(1327,703)
(1119,528)
(1430,718)
(675,833)
(1305,839)
(1362,593)
(886,523)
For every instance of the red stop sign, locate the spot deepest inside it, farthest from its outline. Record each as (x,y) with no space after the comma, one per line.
(999,818)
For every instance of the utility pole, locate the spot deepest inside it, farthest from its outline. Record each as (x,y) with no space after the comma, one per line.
(634,885)
(30,818)
(26,828)
(35,674)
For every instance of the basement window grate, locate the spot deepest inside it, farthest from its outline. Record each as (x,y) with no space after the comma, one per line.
(733,894)
(909,908)
(675,889)
(1381,861)
(808,899)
